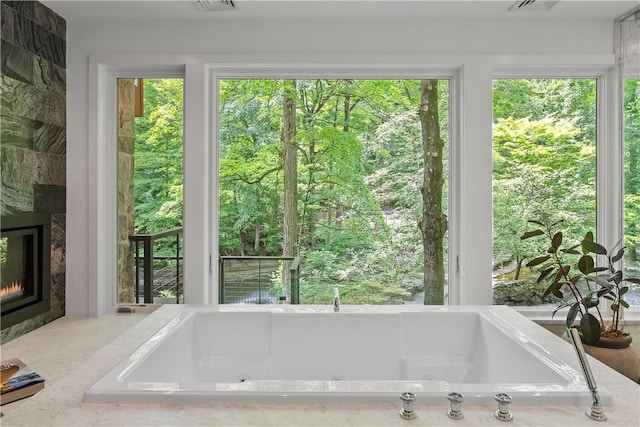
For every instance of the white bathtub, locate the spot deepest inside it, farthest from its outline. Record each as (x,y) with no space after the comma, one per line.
(366,354)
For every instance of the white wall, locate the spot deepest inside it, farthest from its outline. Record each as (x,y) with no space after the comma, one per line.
(473,45)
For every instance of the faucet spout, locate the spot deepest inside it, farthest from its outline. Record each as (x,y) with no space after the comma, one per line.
(336,300)
(595,411)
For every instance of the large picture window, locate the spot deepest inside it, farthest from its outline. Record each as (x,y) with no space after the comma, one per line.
(544,169)
(632,185)
(333,183)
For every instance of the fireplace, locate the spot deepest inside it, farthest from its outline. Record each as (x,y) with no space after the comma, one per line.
(25,254)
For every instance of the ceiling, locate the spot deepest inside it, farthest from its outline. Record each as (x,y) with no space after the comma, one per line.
(186,10)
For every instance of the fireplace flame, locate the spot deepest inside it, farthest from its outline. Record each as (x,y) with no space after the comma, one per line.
(14,290)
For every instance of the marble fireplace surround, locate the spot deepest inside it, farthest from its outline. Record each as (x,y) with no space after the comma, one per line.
(33,143)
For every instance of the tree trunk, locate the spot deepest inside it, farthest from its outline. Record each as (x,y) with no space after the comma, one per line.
(433,223)
(516,274)
(290,227)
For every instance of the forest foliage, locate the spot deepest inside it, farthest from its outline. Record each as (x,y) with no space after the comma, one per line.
(359,173)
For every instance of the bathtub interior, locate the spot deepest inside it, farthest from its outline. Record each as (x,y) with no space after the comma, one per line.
(231,347)
(204,352)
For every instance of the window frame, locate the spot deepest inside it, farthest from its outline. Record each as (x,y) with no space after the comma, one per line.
(453,75)
(609,154)
(633,312)
(90,287)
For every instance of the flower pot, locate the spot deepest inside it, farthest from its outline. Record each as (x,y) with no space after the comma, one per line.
(618,355)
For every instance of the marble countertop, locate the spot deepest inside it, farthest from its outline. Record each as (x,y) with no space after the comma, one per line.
(72,353)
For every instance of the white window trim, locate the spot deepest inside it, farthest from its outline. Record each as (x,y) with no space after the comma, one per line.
(632,314)
(102,166)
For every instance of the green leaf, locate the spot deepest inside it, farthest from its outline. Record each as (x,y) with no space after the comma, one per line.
(538,261)
(590,328)
(530,234)
(624,303)
(590,302)
(572,250)
(633,280)
(602,281)
(593,247)
(533,221)
(552,288)
(556,241)
(604,291)
(586,264)
(544,274)
(618,256)
(616,277)
(623,290)
(571,315)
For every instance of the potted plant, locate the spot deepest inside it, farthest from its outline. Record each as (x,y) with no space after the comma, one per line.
(572,270)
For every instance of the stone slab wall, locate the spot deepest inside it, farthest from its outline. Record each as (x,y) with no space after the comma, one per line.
(33,141)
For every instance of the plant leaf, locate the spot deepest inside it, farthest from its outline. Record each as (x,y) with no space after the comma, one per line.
(633,280)
(556,241)
(592,247)
(624,303)
(533,221)
(618,256)
(571,250)
(538,261)
(530,234)
(571,315)
(590,302)
(544,274)
(586,264)
(616,277)
(604,291)
(623,290)
(590,329)
(552,288)
(603,280)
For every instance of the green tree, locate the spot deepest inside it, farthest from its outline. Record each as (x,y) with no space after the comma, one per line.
(544,143)
(632,166)
(433,223)
(158,157)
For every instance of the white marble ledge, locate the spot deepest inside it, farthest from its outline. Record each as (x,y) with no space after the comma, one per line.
(72,353)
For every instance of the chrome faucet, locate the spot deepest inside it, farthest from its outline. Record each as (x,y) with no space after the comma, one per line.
(595,411)
(336,300)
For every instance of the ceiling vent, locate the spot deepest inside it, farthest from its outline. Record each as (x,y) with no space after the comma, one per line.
(205,5)
(522,5)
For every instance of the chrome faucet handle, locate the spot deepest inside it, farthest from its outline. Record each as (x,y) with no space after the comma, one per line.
(503,413)
(455,411)
(407,411)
